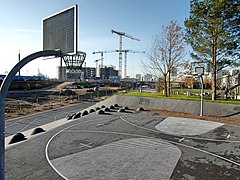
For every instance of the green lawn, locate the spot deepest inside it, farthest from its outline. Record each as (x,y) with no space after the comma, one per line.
(181,96)
(195,91)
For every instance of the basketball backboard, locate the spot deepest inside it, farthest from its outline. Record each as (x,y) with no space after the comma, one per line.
(200,68)
(60,31)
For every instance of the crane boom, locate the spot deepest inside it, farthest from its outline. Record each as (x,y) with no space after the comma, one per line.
(101,52)
(106,51)
(130,51)
(97,60)
(124,34)
(134,51)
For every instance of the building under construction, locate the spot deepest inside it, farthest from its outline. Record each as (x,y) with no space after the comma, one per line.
(107,72)
(85,73)
(69,74)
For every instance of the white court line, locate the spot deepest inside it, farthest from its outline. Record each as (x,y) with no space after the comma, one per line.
(49,141)
(180,136)
(134,135)
(28,124)
(207,152)
(167,141)
(86,145)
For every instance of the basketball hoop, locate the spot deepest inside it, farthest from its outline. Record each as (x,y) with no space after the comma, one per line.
(200,68)
(74,61)
(60,31)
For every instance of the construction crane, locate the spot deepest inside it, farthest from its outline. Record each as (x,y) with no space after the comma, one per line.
(125,59)
(97,68)
(101,52)
(121,34)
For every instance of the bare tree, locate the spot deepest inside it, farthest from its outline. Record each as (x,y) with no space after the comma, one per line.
(156,63)
(174,36)
(165,53)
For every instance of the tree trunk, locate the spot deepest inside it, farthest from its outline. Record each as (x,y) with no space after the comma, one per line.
(165,85)
(214,82)
(169,84)
(214,71)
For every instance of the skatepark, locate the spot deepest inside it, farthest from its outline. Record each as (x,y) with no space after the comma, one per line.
(122,137)
(117,141)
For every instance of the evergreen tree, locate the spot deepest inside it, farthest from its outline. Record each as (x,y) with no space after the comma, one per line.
(213,31)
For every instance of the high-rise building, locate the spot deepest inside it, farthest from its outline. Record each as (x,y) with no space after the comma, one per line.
(108,71)
(147,77)
(138,77)
(74,75)
(69,74)
(89,72)
(85,73)
(61,72)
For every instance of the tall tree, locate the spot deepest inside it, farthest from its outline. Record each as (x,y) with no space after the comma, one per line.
(174,47)
(165,53)
(213,31)
(157,63)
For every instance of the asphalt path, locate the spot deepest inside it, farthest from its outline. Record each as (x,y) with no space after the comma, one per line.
(82,149)
(23,123)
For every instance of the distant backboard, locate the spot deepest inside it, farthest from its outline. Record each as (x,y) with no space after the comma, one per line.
(198,68)
(60,31)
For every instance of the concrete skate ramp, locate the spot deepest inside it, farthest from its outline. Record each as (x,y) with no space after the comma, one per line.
(186,126)
(187,106)
(136,158)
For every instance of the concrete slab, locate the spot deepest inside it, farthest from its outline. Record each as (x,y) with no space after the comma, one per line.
(136,158)
(186,126)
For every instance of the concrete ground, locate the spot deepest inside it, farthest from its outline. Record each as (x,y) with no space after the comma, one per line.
(184,126)
(131,158)
(129,145)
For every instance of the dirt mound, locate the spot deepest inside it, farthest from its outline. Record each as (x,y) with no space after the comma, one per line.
(62,85)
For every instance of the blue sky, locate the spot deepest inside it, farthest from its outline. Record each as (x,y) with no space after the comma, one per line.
(21,23)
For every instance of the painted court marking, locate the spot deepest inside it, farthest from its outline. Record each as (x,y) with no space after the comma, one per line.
(134,158)
(186,126)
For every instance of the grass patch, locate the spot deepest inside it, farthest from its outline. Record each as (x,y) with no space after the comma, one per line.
(179,97)
(195,91)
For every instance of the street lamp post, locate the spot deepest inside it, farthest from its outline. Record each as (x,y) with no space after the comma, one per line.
(3,93)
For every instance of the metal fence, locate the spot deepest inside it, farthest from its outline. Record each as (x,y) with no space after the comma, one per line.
(95,94)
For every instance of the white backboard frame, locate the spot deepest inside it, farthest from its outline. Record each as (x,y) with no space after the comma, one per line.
(200,68)
(60,31)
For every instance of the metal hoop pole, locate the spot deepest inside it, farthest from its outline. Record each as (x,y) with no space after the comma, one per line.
(3,93)
(202,94)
